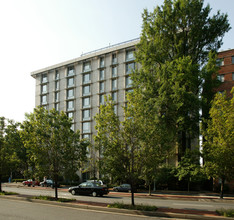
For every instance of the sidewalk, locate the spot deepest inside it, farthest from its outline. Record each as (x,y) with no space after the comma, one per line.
(161,212)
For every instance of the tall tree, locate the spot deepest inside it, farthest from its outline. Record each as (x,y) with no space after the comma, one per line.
(218,148)
(9,146)
(174,46)
(54,147)
(19,152)
(119,146)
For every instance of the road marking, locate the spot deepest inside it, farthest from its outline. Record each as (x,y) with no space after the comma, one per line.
(187,204)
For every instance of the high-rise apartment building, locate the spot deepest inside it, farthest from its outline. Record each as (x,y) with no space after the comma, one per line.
(78,86)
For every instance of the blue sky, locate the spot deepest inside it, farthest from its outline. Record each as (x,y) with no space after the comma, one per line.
(39,33)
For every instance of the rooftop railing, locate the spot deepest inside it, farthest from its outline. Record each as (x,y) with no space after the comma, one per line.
(110,46)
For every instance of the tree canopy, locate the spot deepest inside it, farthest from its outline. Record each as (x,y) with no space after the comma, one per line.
(173,51)
(54,147)
(218,147)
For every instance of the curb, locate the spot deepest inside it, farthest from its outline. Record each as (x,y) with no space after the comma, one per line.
(116,210)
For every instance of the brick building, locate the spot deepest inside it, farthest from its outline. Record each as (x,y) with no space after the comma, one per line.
(226,72)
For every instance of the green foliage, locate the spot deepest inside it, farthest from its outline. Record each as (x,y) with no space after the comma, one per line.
(118,144)
(54,148)
(49,198)
(226,212)
(218,147)
(3,193)
(189,167)
(12,152)
(136,207)
(173,51)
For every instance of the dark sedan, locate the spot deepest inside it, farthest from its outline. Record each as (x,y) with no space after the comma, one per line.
(89,188)
(123,188)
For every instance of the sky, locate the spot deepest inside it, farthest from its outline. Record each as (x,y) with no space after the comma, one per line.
(40,33)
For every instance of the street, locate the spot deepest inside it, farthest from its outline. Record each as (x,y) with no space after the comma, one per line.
(22,210)
(125,198)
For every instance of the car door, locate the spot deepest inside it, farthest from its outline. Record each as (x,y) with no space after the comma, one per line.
(82,189)
(89,188)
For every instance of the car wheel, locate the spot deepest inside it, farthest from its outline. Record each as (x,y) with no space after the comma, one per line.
(73,192)
(94,194)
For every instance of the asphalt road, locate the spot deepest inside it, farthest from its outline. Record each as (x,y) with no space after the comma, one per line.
(22,210)
(125,198)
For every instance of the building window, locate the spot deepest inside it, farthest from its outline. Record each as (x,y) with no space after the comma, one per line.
(86,127)
(70,82)
(128,82)
(220,62)
(70,93)
(101,87)
(86,102)
(101,99)
(44,78)
(44,99)
(56,106)
(73,127)
(232,59)
(86,114)
(101,75)
(43,89)
(70,105)
(86,136)
(232,76)
(56,75)
(86,66)
(115,109)
(56,85)
(70,71)
(114,71)
(130,55)
(130,67)
(86,90)
(86,78)
(221,78)
(70,115)
(56,96)
(114,96)
(114,84)
(102,62)
(114,58)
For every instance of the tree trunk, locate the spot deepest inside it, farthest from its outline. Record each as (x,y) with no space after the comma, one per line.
(56,186)
(222,186)
(150,189)
(0,182)
(132,194)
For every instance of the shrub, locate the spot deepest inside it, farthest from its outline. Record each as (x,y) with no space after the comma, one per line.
(17,180)
(226,212)
(49,198)
(136,207)
(8,193)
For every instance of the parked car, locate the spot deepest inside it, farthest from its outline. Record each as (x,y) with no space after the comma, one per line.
(89,188)
(123,188)
(48,183)
(30,182)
